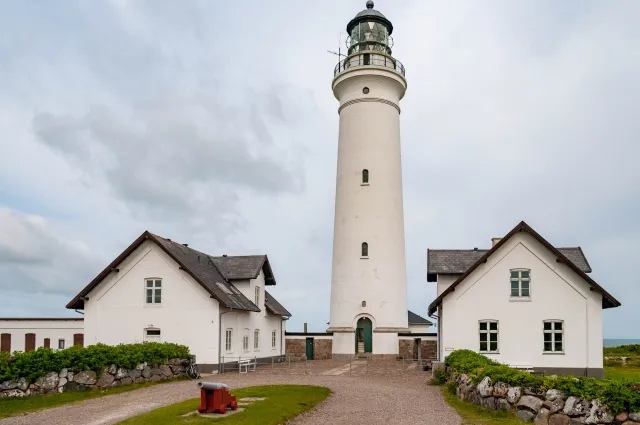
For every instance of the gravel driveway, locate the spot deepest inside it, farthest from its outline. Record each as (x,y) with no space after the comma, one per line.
(370,399)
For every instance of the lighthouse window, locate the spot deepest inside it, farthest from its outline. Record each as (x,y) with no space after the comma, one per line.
(365,90)
(365,249)
(365,176)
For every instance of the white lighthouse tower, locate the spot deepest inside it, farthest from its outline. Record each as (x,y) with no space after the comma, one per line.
(368,283)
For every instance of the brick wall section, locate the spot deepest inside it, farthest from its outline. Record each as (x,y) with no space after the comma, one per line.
(405,348)
(429,350)
(322,349)
(295,347)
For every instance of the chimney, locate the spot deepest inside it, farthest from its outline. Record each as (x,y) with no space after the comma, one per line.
(224,255)
(305,328)
(494,241)
(185,244)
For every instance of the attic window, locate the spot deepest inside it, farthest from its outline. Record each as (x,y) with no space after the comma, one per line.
(520,283)
(224,288)
(153,291)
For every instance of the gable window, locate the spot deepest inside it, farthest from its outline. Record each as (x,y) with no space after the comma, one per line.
(61,344)
(257,296)
(365,249)
(152,335)
(553,336)
(227,339)
(154,291)
(273,339)
(245,340)
(365,177)
(488,330)
(256,339)
(520,283)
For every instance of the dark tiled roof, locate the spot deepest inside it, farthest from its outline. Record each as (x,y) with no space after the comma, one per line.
(273,306)
(608,301)
(244,267)
(414,319)
(458,261)
(201,267)
(205,271)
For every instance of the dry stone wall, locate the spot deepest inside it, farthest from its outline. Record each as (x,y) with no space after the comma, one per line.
(550,407)
(113,376)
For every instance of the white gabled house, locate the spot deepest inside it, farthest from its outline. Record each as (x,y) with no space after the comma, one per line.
(523,302)
(161,290)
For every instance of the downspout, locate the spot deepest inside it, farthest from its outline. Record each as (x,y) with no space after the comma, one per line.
(220,338)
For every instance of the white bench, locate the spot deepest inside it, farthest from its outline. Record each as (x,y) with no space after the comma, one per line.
(247,364)
(524,368)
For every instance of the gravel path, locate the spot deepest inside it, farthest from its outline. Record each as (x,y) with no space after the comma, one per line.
(403,399)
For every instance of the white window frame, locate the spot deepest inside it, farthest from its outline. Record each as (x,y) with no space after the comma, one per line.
(228,339)
(273,339)
(61,343)
(155,288)
(257,295)
(152,338)
(256,339)
(553,332)
(489,332)
(245,340)
(519,281)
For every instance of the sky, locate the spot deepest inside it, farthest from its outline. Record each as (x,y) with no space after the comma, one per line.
(213,123)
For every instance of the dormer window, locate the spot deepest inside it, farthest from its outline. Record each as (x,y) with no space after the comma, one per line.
(520,283)
(257,296)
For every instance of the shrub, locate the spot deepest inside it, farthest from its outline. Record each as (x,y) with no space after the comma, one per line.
(623,350)
(37,363)
(440,376)
(617,395)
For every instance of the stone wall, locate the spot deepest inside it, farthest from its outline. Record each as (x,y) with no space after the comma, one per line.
(113,376)
(322,348)
(428,349)
(550,407)
(295,347)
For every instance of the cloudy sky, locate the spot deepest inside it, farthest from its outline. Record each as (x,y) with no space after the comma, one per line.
(213,123)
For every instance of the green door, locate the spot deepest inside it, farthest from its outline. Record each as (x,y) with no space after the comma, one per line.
(309,348)
(364,333)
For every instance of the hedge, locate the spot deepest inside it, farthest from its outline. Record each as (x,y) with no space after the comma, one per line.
(619,396)
(623,350)
(37,363)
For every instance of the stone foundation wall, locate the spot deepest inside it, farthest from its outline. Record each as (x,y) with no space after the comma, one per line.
(429,350)
(405,348)
(322,348)
(550,407)
(113,376)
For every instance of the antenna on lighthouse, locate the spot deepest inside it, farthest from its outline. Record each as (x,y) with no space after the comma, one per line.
(339,53)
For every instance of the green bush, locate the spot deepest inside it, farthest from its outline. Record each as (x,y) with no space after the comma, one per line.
(617,395)
(440,376)
(37,363)
(623,350)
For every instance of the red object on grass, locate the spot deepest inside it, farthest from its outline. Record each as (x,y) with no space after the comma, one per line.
(215,398)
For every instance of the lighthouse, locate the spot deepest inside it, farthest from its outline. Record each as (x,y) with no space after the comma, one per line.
(368,278)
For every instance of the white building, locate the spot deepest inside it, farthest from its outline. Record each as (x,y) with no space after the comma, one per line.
(522,302)
(160,290)
(28,334)
(368,284)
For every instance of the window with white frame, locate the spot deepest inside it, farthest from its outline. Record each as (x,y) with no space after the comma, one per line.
(152,335)
(273,339)
(256,339)
(553,336)
(257,296)
(154,291)
(488,330)
(61,344)
(520,283)
(245,340)
(227,339)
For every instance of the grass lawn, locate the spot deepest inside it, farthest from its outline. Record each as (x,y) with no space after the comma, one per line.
(476,415)
(282,403)
(622,372)
(18,406)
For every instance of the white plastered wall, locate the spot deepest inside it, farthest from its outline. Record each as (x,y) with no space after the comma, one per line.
(557,293)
